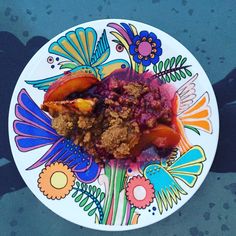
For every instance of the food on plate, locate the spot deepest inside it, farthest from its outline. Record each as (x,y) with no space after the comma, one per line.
(69,83)
(117,117)
(162,136)
(78,105)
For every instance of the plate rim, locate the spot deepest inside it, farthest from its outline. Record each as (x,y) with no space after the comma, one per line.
(210,161)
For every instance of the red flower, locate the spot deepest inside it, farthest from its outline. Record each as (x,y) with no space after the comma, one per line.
(140,192)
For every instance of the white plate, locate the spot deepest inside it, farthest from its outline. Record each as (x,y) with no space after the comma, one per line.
(138,199)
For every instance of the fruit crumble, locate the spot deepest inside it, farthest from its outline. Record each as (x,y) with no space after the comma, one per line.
(117,117)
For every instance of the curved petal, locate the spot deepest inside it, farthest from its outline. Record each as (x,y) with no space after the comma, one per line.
(128,30)
(121,31)
(143,33)
(153,36)
(146,62)
(136,59)
(132,49)
(158,42)
(135,31)
(155,59)
(159,51)
(136,38)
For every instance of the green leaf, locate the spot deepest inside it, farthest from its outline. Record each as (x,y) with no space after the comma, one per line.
(87,207)
(177,76)
(173,78)
(192,128)
(102,196)
(155,68)
(98,192)
(85,187)
(182,74)
(166,64)
(91,212)
(90,188)
(108,171)
(188,72)
(163,78)
(68,66)
(167,79)
(183,61)
(172,61)
(160,66)
(78,198)
(83,202)
(74,194)
(90,196)
(178,59)
(94,189)
(136,67)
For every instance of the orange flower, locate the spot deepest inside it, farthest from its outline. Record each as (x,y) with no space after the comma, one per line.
(56,181)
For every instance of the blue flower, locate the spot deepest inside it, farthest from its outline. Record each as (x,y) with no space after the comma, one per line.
(145,48)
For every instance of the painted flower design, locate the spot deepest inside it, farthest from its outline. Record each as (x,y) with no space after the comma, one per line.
(145,48)
(56,181)
(140,192)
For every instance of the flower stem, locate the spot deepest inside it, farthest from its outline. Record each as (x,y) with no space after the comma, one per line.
(110,194)
(124,211)
(131,215)
(165,72)
(108,174)
(140,68)
(119,181)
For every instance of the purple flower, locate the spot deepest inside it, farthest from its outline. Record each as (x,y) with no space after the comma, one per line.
(145,48)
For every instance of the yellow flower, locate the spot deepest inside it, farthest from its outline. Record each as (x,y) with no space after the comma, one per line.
(56,181)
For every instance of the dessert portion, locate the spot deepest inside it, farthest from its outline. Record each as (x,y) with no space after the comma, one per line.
(118,117)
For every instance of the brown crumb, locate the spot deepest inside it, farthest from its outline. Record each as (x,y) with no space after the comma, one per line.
(85,122)
(64,124)
(87,137)
(123,110)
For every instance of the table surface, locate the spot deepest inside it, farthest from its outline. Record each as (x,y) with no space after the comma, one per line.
(206,28)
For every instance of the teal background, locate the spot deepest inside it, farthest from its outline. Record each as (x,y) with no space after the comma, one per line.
(207,29)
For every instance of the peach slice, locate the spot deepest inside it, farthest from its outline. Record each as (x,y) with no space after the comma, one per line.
(69,83)
(166,137)
(161,136)
(78,105)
